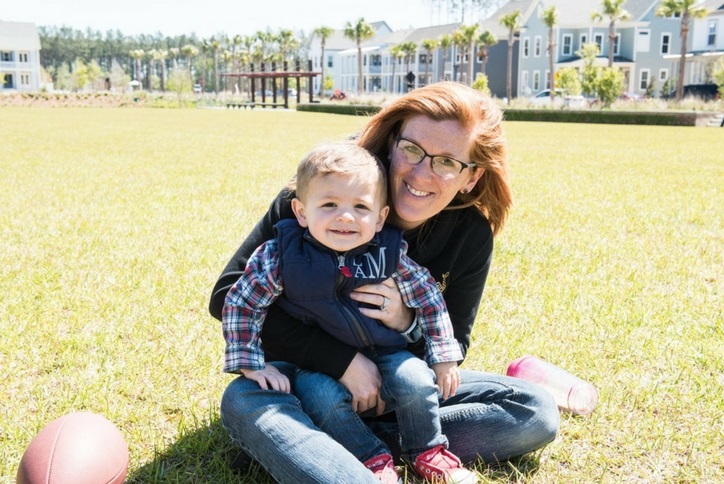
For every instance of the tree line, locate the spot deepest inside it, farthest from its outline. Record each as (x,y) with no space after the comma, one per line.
(76,60)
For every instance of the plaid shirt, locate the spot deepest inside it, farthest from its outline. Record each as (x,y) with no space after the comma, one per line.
(247,301)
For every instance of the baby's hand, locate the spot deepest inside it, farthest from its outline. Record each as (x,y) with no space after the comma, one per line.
(269,377)
(447,377)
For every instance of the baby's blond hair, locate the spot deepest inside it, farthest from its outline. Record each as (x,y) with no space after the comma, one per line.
(346,159)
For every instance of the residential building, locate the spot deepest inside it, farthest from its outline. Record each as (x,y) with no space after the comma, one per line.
(335,44)
(19,56)
(707,44)
(646,49)
(640,48)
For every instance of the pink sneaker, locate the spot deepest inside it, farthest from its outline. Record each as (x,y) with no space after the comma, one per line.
(440,465)
(383,468)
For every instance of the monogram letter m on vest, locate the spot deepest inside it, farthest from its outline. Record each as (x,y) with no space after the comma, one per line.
(375,268)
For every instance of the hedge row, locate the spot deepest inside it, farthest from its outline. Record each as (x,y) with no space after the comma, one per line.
(663,118)
(351,109)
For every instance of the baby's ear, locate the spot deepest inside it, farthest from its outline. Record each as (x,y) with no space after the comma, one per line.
(384,212)
(298,208)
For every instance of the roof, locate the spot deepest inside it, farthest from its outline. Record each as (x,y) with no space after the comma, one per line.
(713,5)
(338,41)
(434,32)
(19,36)
(492,23)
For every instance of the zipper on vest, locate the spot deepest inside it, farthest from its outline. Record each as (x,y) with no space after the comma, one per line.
(344,272)
(343,269)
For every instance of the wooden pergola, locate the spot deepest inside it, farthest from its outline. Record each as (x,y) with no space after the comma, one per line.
(284,75)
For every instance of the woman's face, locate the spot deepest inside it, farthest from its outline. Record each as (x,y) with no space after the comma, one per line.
(416,193)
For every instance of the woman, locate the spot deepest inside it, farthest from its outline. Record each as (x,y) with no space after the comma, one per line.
(447,161)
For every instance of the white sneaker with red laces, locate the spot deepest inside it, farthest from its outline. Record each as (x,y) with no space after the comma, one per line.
(440,465)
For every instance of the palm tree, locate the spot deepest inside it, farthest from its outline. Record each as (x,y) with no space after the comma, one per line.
(323,33)
(189,51)
(445,42)
(550,19)
(459,42)
(359,32)
(468,35)
(160,56)
(264,38)
(228,59)
(174,52)
(687,9)
(214,46)
(396,54)
(429,45)
(408,49)
(137,55)
(613,9)
(287,43)
(485,40)
(512,23)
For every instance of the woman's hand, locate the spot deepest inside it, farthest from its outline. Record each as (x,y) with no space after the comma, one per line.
(391,310)
(363,380)
(270,376)
(447,377)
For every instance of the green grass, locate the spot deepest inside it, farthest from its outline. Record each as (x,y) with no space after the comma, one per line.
(115,223)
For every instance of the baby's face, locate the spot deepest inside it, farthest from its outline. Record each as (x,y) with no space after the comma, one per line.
(342,212)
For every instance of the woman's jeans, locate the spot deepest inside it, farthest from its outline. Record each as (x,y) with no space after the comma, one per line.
(491,417)
(408,388)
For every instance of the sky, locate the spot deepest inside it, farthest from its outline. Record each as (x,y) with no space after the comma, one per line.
(210,17)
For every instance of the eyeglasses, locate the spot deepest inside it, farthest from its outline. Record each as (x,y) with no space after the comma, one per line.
(443,166)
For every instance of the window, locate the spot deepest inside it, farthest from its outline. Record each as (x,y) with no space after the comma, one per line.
(644,80)
(423,59)
(643,41)
(711,39)
(23,57)
(598,40)
(25,79)
(536,81)
(616,44)
(524,87)
(582,40)
(526,46)
(537,46)
(330,62)
(548,79)
(567,48)
(376,60)
(663,75)
(665,43)
(6,56)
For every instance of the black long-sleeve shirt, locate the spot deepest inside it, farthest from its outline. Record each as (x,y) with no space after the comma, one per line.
(456,246)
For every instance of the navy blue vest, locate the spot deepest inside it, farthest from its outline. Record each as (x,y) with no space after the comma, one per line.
(318,281)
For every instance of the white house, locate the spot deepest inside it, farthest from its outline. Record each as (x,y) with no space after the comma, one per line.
(707,44)
(19,56)
(333,61)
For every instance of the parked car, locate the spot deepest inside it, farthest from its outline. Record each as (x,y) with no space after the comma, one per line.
(291,92)
(197,88)
(631,96)
(543,98)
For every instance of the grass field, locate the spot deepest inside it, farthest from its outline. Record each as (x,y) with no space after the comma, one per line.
(115,223)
